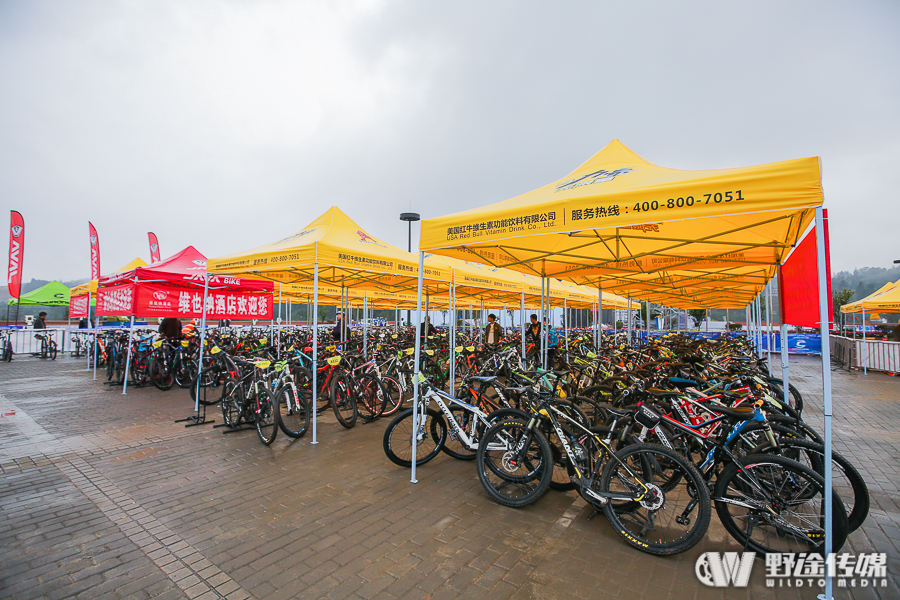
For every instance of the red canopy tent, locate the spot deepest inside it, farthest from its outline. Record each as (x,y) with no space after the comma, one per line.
(174,288)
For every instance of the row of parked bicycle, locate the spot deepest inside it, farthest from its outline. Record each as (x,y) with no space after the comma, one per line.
(654,436)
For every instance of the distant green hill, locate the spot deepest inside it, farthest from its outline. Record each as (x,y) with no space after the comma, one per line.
(864,281)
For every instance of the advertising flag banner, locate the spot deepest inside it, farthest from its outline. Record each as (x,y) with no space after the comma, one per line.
(16,253)
(95,252)
(154,247)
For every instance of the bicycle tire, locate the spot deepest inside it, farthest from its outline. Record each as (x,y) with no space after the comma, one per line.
(631,525)
(266,415)
(858,509)
(397,441)
(786,475)
(343,401)
(511,474)
(232,402)
(53,350)
(161,377)
(370,396)
(393,398)
(293,410)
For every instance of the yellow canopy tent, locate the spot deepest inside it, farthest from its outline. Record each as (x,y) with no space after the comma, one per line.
(680,238)
(886,300)
(91,286)
(708,239)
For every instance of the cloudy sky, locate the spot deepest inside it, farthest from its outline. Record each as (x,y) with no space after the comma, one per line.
(227,125)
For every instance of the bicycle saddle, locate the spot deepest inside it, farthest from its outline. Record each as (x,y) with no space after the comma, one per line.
(481,378)
(660,393)
(741,413)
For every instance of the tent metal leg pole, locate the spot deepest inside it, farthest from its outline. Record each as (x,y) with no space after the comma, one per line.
(90,326)
(824,319)
(785,364)
(599,337)
(65,339)
(769,346)
(314,340)
(415,378)
(128,355)
(566,326)
(452,349)
(523,328)
(365,327)
(865,350)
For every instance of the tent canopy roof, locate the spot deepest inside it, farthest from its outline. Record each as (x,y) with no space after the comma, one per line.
(705,239)
(350,257)
(51,294)
(347,256)
(886,299)
(183,269)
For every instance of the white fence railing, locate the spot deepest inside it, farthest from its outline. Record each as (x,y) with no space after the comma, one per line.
(877,355)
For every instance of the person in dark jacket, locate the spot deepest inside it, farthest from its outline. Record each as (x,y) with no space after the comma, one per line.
(39,323)
(170,328)
(492,331)
(339,327)
(428,329)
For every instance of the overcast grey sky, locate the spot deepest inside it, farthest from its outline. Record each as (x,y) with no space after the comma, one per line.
(227,125)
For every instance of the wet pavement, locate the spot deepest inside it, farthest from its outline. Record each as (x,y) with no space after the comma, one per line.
(105,496)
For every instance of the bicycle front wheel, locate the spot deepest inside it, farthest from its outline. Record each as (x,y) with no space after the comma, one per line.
(293,410)
(666,508)
(53,350)
(774,505)
(266,416)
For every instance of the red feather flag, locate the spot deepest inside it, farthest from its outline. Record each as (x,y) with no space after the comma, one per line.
(16,253)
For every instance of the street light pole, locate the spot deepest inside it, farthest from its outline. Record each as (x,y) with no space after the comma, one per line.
(409,217)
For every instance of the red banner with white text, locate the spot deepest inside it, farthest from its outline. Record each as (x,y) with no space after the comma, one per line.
(16,253)
(95,252)
(154,247)
(150,300)
(78,306)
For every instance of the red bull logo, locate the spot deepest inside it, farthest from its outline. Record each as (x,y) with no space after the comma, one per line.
(367,239)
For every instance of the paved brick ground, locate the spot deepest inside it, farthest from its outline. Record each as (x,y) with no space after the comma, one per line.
(104,496)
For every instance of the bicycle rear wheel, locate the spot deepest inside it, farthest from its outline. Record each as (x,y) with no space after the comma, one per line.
(670,510)
(232,401)
(53,350)
(343,401)
(370,397)
(431,435)
(787,516)
(514,463)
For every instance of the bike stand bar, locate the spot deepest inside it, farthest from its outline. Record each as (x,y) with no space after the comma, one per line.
(198,419)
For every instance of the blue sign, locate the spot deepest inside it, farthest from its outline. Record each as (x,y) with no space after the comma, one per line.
(798,343)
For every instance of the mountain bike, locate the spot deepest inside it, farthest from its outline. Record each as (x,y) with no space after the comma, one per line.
(653,497)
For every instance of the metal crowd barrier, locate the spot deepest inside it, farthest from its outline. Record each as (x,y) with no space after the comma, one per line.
(878,355)
(24,342)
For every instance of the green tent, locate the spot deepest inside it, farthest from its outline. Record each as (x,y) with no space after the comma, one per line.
(52,294)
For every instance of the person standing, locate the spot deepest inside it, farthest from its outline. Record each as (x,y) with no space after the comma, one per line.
(40,322)
(170,328)
(492,331)
(339,328)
